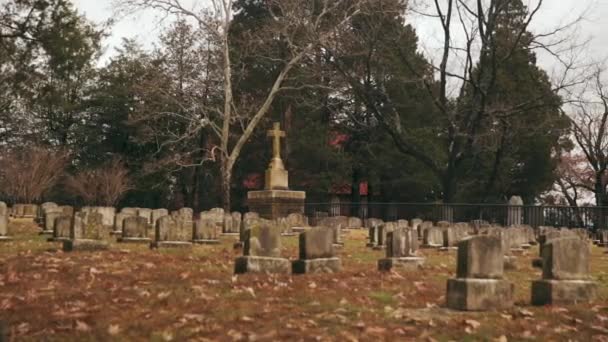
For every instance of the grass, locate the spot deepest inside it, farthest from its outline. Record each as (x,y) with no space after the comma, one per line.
(133,293)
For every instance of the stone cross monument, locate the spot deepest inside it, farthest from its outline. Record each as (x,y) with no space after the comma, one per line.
(276,200)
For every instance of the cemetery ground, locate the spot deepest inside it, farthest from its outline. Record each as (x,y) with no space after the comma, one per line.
(133,293)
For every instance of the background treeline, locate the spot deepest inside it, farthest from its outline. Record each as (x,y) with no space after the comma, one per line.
(184,123)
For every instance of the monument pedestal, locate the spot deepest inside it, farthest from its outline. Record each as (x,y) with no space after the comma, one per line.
(563,292)
(404,264)
(469,294)
(273,204)
(257,264)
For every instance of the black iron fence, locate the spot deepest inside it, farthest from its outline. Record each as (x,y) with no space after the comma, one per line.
(591,218)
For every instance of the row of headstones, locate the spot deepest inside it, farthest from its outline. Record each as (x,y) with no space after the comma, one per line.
(480,285)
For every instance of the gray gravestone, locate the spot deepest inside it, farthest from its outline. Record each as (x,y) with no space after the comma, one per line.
(135,229)
(172,233)
(316,252)
(479,285)
(401,247)
(565,273)
(262,251)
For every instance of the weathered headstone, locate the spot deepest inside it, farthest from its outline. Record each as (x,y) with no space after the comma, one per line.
(478,285)
(135,229)
(206,230)
(515,211)
(4,234)
(42,208)
(50,215)
(172,233)
(317,252)
(416,225)
(145,213)
(298,222)
(61,228)
(67,210)
(432,238)
(129,211)
(373,226)
(401,247)
(383,231)
(262,251)
(565,278)
(30,210)
(87,233)
(156,214)
(17,211)
(119,220)
(354,223)
(107,215)
(227,225)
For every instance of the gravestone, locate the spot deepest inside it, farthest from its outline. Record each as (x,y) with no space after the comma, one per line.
(145,213)
(107,215)
(565,278)
(373,226)
(17,211)
(67,210)
(236,222)
(87,233)
(119,220)
(297,222)
(423,227)
(135,229)
(383,231)
(432,238)
(416,225)
(156,214)
(250,220)
(4,234)
(354,223)
(184,218)
(515,211)
(206,230)
(129,211)
(50,215)
(478,285)
(42,208)
(262,251)
(171,233)
(30,211)
(401,247)
(227,225)
(62,228)
(316,252)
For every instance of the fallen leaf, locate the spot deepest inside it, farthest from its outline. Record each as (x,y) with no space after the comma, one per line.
(472,323)
(82,326)
(114,329)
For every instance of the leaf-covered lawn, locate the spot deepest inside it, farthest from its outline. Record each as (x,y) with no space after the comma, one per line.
(133,293)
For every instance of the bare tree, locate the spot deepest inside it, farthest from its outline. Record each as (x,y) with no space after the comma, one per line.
(466,67)
(27,174)
(105,185)
(302,26)
(590,130)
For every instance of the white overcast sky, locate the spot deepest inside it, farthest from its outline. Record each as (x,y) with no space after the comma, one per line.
(144,27)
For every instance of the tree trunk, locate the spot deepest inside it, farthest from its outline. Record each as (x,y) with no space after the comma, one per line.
(226,181)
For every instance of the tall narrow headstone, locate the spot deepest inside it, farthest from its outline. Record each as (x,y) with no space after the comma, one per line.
(515,211)
(206,231)
(50,215)
(62,227)
(478,285)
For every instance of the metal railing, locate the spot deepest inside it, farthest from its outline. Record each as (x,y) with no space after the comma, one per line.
(591,218)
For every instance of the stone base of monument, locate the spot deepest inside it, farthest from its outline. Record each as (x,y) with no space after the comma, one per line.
(400,264)
(537,262)
(510,263)
(46,232)
(206,242)
(479,294)
(170,244)
(563,292)
(326,265)
(256,264)
(133,240)
(57,239)
(5,238)
(273,204)
(85,245)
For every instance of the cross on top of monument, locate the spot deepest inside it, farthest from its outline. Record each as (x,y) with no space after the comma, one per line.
(276,134)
